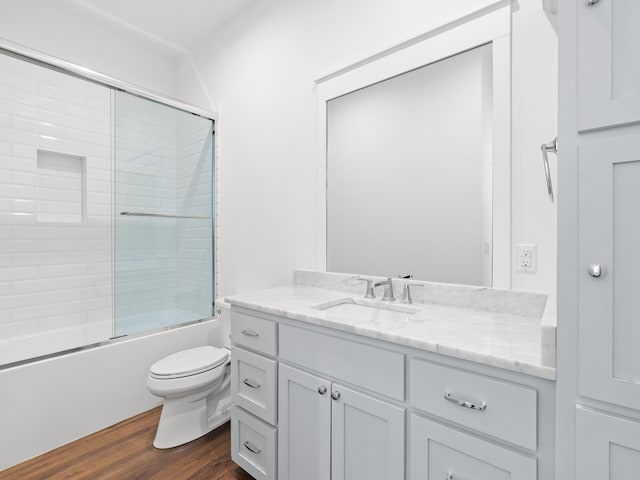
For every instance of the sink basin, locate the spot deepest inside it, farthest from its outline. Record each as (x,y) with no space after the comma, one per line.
(361,309)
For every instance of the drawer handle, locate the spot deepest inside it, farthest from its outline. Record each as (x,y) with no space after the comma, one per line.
(464,403)
(251,383)
(251,447)
(322,390)
(335,395)
(250,333)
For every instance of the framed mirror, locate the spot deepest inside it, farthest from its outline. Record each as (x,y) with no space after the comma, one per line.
(415,160)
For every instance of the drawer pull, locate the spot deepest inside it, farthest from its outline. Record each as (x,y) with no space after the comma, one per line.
(322,390)
(464,403)
(250,333)
(335,395)
(251,383)
(251,447)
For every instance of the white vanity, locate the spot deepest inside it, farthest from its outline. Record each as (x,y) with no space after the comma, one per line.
(456,387)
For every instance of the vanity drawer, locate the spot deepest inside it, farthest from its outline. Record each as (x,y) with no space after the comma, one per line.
(442,453)
(365,366)
(501,409)
(253,383)
(255,333)
(253,445)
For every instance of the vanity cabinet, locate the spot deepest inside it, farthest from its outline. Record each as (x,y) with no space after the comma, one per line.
(329,431)
(608,63)
(351,407)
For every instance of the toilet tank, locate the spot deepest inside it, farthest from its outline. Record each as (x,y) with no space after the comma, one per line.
(223,313)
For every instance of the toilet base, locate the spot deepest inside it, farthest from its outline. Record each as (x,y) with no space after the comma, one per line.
(186,419)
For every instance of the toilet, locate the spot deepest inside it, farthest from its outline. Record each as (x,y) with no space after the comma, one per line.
(195,386)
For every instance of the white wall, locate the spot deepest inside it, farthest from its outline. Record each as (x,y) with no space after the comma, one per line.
(534,98)
(260,70)
(62,29)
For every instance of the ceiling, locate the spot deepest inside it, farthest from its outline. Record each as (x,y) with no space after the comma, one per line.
(176,24)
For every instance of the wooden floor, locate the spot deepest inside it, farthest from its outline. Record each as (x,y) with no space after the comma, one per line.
(125,452)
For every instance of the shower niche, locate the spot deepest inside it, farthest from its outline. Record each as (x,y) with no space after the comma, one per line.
(106,212)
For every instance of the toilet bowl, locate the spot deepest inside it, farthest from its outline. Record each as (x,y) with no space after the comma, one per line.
(195,386)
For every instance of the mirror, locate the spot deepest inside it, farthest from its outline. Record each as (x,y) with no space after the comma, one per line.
(409,173)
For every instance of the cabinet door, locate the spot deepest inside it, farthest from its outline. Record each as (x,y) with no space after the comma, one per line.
(367,437)
(614,453)
(609,357)
(442,453)
(608,63)
(304,448)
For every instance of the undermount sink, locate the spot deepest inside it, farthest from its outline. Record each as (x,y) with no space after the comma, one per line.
(360,309)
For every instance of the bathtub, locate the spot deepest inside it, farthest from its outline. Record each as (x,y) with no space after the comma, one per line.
(51,402)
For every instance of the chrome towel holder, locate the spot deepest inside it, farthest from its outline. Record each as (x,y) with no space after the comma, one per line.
(546,148)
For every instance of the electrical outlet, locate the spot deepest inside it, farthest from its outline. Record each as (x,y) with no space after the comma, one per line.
(527,257)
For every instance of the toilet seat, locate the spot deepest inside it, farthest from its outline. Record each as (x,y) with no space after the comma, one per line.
(189,362)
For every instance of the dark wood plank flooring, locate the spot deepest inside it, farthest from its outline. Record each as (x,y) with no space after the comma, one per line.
(125,452)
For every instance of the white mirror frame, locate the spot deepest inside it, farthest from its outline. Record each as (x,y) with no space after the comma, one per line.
(480,29)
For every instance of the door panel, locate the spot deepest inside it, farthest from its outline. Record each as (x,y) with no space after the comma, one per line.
(367,437)
(608,63)
(304,449)
(609,360)
(442,453)
(613,454)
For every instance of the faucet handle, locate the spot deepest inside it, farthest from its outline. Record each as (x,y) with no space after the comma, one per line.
(370,293)
(406,291)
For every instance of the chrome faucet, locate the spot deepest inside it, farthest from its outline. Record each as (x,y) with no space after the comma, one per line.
(388,289)
(406,292)
(370,293)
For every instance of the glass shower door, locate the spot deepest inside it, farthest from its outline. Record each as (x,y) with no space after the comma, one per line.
(163,219)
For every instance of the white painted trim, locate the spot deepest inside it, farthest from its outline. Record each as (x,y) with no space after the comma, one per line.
(502,162)
(494,28)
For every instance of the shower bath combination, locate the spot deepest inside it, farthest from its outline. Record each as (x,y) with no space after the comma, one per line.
(106,209)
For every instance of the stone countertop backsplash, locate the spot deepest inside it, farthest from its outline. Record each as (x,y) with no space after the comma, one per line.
(509,329)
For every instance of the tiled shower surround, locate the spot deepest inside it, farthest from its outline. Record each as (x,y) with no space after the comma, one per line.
(55,255)
(57,216)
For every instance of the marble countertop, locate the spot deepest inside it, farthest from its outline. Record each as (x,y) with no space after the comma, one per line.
(503,340)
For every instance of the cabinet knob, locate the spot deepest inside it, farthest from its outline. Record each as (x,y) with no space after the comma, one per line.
(591,3)
(335,395)
(595,270)
(449,476)
(322,390)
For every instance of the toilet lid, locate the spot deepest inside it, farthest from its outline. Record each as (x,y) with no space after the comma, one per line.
(190,362)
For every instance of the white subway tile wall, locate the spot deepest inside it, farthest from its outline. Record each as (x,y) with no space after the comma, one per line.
(55,211)
(194,193)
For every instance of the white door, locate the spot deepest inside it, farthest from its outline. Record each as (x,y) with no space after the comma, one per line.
(608,63)
(304,435)
(614,453)
(367,437)
(442,453)
(609,204)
